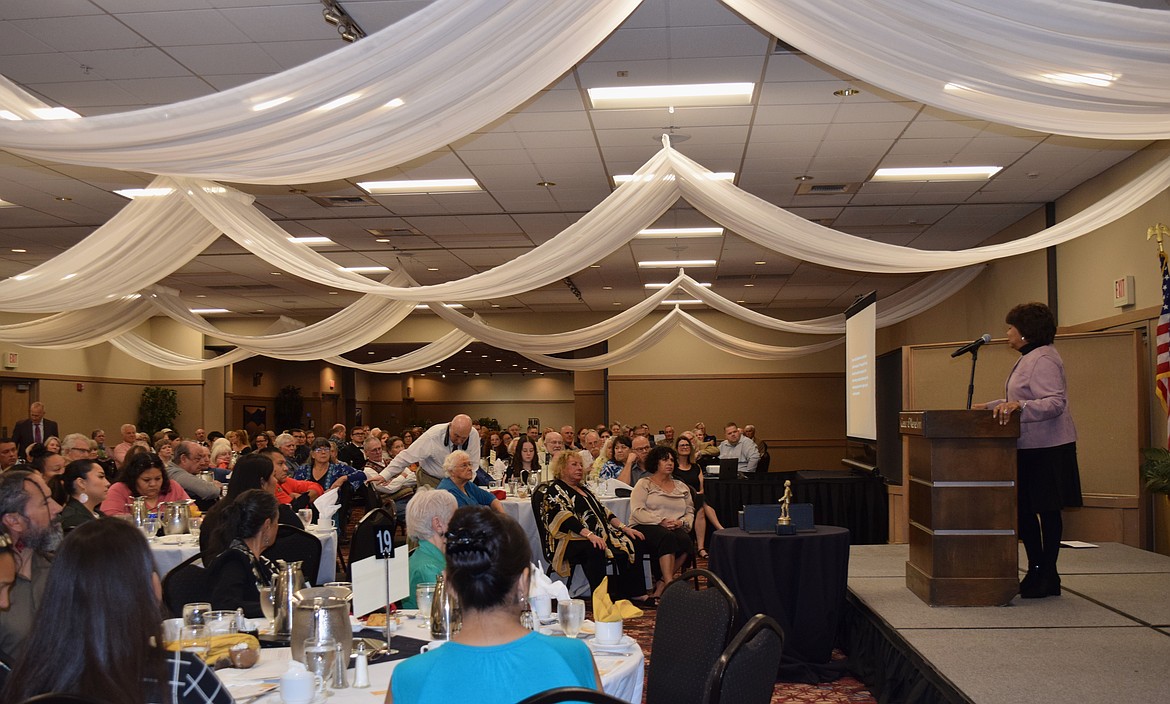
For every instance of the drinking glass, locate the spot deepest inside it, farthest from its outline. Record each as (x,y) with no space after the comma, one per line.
(424,593)
(306,515)
(268,606)
(571,614)
(193,524)
(320,659)
(193,613)
(196,640)
(150,528)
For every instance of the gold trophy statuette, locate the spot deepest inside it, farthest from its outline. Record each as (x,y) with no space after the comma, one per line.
(784,522)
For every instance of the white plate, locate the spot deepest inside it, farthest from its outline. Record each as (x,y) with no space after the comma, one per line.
(625,644)
(174,539)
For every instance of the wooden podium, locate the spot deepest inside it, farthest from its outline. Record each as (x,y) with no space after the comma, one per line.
(962,504)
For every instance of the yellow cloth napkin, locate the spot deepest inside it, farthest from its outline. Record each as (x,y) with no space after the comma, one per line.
(221,644)
(606,611)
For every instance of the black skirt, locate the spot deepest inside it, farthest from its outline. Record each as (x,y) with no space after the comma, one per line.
(1048,478)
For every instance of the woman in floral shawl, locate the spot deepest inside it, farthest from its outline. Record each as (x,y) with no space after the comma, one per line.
(577,529)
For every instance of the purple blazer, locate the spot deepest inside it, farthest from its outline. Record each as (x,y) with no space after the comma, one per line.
(1038,378)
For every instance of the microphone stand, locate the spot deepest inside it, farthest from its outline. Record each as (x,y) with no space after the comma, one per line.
(971,385)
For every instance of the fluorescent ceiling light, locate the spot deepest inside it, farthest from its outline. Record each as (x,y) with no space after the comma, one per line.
(665,285)
(696,94)
(434,185)
(715,176)
(205,311)
(424,306)
(676,263)
(133,193)
(311,240)
(365,269)
(680,232)
(680,302)
(944,173)
(54,113)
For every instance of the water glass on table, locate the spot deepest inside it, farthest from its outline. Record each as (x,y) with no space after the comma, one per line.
(195,640)
(320,659)
(571,614)
(194,612)
(268,605)
(424,594)
(306,515)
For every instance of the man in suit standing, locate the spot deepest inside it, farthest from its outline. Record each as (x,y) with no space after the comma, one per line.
(35,428)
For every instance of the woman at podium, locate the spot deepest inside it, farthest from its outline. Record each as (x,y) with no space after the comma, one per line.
(1048,479)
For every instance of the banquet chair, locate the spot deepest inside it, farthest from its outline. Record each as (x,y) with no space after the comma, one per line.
(692,628)
(746,671)
(364,541)
(185,584)
(292,545)
(571,694)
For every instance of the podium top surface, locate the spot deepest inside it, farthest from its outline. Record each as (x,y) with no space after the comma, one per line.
(957,424)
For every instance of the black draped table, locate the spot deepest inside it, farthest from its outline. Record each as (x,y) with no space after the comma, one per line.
(799,580)
(853,500)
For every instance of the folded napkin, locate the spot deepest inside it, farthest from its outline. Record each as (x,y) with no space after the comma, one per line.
(615,484)
(606,611)
(542,585)
(326,506)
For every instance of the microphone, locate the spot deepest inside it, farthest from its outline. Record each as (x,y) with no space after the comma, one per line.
(972,346)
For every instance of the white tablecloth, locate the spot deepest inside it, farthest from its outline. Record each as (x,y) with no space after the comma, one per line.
(168,556)
(621,676)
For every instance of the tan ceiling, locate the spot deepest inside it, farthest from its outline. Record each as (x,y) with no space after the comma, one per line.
(103,56)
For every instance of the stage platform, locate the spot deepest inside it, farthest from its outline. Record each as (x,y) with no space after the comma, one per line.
(1106,639)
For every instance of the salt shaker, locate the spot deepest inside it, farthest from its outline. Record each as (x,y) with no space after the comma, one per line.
(361,668)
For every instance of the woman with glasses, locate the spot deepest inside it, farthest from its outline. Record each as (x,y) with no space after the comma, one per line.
(691,474)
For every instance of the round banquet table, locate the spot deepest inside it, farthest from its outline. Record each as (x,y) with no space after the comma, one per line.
(799,580)
(168,554)
(622,676)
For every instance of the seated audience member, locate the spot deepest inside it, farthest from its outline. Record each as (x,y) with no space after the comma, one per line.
(105,574)
(691,474)
(661,507)
(616,455)
(129,435)
(8,454)
(253,471)
(84,485)
(329,474)
(220,458)
(525,461)
(165,449)
(352,452)
(569,438)
(427,515)
(28,514)
(53,444)
(554,444)
(247,527)
(737,447)
(707,445)
(749,432)
(667,436)
(580,530)
(291,492)
(590,449)
(239,442)
(143,476)
(43,460)
(460,469)
(635,467)
(487,567)
(185,471)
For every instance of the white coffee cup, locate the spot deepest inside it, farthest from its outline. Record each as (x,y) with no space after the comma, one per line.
(427,647)
(607,632)
(298,685)
(542,605)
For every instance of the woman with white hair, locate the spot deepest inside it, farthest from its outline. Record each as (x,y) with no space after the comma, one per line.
(427,515)
(460,473)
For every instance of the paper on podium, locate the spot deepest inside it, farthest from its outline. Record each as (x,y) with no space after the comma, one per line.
(369,582)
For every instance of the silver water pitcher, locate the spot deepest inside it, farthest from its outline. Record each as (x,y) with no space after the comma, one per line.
(288,580)
(176,517)
(321,617)
(446,613)
(137,509)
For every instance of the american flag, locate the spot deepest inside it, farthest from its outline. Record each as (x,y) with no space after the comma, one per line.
(1162,372)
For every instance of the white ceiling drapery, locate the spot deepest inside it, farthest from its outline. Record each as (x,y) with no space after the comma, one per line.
(367,106)
(1010,62)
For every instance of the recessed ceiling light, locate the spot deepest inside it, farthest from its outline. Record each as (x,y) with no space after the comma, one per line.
(432,268)
(382,240)
(937,173)
(617,303)
(680,302)
(466,351)
(6,204)
(846,92)
(677,96)
(546,184)
(495,305)
(499,360)
(201,295)
(258,310)
(749,285)
(333,293)
(454,306)
(370,353)
(594,266)
(55,113)
(760,263)
(205,311)
(675,263)
(741,301)
(665,285)
(435,185)
(311,240)
(133,193)
(680,232)
(715,176)
(62,199)
(365,269)
(276,273)
(20,251)
(803,177)
(607,288)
